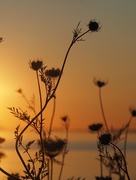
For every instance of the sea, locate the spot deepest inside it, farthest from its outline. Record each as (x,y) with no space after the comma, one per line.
(81,159)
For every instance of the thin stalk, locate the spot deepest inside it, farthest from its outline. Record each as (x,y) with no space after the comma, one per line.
(126,137)
(52,118)
(64,154)
(51,177)
(124,160)
(65,59)
(48,165)
(53,113)
(102,110)
(101,166)
(41,125)
(125,140)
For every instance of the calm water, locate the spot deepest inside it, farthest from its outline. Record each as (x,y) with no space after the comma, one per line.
(81,160)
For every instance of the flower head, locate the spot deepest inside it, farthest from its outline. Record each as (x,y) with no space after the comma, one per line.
(1,39)
(95,127)
(54,147)
(66,121)
(53,73)
(133,112)
(100,83)
(19,91)
(94,26)
(64,118)
(105,139)
(36,65)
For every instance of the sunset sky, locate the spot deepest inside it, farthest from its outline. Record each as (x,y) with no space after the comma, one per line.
(33,29)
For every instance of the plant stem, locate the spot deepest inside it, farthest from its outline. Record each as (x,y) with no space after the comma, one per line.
(9,175)
(124,160)
(125,140)
(51,177)
(53,113)
(65,59)
(102,110)
(64,153)
(126,137)
(41,125)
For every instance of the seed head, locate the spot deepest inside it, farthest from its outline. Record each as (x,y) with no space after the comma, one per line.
(53,73)
(94,26)
(36,65)
(133,112)
(95,127)
(54,147)
(105,139)
(100,83)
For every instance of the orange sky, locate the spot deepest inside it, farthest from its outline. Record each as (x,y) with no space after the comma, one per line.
(43,29)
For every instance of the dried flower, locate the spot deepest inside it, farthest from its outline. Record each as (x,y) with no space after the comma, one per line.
(2,140)
(53,73)
(66,121)
(94,26)
(133,112)
(54,147)
(64,118)
(100,83)
(105,139)
(36,65)
(1,39)
(95,127)
(19,91)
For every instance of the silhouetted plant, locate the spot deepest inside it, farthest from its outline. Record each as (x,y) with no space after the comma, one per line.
(133,114)
(115,161)
(53,74)
(117,158)
(101,84)
(65,120)
(37,167)
(97,128)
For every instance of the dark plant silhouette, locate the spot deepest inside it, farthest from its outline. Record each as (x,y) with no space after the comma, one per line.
(117,158)
(53,74)
(37,167)
(101,84)
(114,161)
(65,120)
(97,128)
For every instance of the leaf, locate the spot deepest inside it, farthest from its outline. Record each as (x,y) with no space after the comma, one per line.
(29,144)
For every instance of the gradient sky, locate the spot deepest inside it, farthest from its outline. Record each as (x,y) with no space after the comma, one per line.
(42,29)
